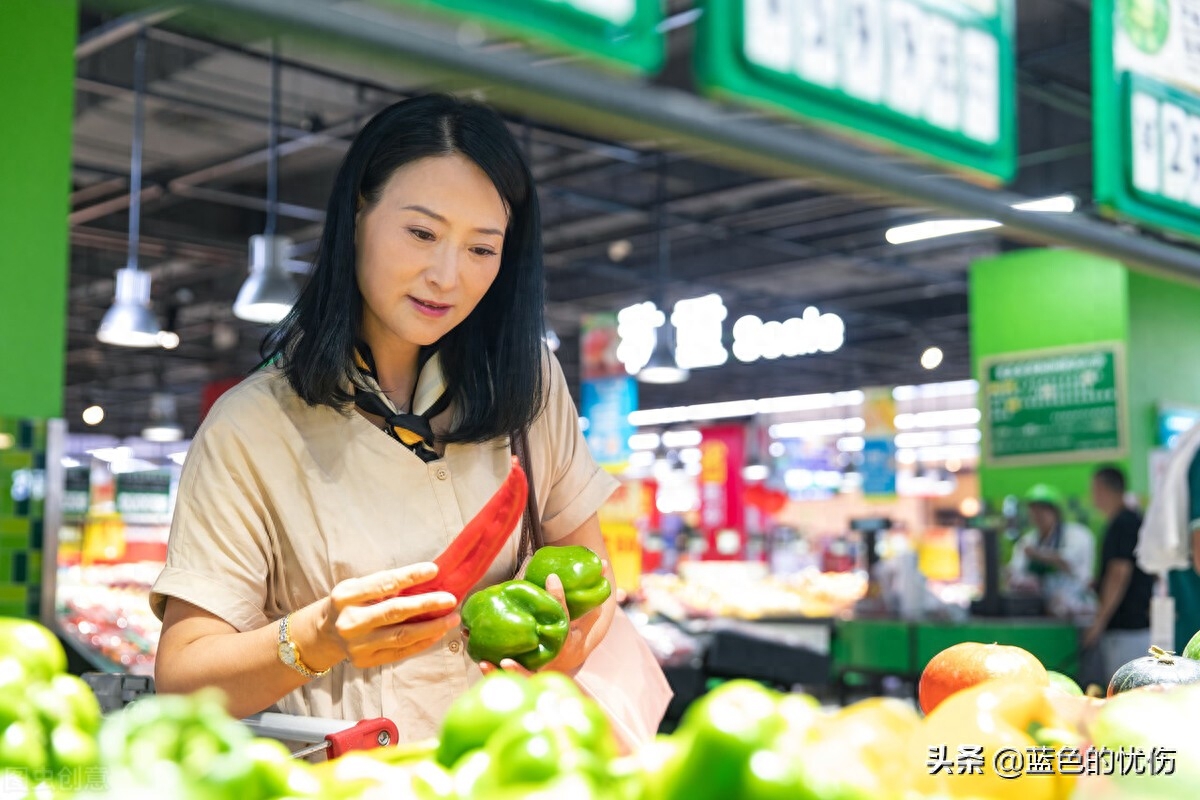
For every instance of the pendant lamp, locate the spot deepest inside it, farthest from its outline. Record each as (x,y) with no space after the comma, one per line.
(270,291)
(130,322)
(662,367)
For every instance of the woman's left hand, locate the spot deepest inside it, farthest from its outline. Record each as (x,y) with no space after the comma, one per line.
(585,634)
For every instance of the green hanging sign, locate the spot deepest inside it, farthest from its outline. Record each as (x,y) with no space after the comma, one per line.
(1054,405)
(1146,116)
(935,77)
(623,33)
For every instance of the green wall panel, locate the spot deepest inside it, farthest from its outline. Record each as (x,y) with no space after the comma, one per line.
(37,69)
(1035,299)
(1164,360)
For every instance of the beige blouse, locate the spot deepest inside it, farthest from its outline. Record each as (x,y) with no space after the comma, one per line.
(279,501)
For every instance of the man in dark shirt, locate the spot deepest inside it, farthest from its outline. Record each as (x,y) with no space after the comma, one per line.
(1122,624)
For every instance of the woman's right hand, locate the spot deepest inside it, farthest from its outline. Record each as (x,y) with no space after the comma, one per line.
(367,623)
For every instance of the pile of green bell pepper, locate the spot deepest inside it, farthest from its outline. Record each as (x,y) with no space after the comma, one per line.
(511,736)
(48,719)
(520,620)
(188,747)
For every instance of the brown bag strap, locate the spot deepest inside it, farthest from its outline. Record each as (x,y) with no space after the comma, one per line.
(532,539)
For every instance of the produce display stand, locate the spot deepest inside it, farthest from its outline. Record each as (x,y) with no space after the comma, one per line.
(874,648)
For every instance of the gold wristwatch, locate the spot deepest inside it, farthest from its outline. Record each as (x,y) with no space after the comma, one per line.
(289,653)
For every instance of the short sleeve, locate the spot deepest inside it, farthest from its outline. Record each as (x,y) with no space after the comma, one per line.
(1125,537)
(218,551)
(577,484)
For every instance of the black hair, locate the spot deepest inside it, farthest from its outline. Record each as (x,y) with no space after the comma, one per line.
(1111,477)
(492,360)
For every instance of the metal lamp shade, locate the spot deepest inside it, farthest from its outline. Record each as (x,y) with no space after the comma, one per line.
(661,368)
(270,292)
(129,322)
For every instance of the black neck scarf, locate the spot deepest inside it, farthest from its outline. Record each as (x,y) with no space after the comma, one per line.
(429,398)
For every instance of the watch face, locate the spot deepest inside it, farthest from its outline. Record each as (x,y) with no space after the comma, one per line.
(287,653)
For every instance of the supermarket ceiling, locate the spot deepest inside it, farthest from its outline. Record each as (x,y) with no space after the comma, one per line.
(770,245)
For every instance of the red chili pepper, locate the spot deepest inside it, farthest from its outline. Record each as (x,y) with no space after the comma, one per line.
(464,563)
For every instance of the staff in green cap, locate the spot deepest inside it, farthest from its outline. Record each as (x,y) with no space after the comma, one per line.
(1056,557)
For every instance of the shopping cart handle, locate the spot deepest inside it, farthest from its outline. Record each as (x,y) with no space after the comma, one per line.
(366,735)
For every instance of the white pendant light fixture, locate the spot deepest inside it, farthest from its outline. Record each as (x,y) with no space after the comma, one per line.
(130,322)
(662,367)
(163,426)
(270,291)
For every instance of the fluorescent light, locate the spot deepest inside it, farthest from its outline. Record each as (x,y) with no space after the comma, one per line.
(111,454)
(179,457)
(643,441)
(69,462)
(681,438)
(932,357)
(168,340)
(931,229)
(816,427)
(744,408)
(93,415)
(955,417)
(851,444)
(1059,204)
(944,389)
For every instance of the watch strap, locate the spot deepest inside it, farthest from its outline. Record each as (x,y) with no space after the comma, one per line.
(296,662)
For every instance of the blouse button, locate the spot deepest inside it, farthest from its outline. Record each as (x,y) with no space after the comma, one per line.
(454,646)
(442,474)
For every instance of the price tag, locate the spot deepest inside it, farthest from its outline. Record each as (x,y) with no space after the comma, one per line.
(942,105)
(981,113)
(907,75)
(818,58)
(1145,136)
(1193,137)
(769,33)
(618,12)
(863,49)
(1175,155)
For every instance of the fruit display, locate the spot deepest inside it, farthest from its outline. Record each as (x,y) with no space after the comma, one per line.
(809,593)
(103,608)
(1018,733)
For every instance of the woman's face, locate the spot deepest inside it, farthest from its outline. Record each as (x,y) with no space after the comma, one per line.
(428,251)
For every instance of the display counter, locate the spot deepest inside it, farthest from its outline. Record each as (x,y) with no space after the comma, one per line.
(878,647)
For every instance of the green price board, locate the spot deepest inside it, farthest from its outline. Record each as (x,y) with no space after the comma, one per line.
(1146,117)
(144,494)
(1057,405)
(935,77)
(624,33)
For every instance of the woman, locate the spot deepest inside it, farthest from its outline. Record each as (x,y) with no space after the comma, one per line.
(325,483)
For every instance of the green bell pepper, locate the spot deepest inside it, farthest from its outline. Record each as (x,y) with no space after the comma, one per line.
(479,713)
(581,572)
(563,736)
(516,620)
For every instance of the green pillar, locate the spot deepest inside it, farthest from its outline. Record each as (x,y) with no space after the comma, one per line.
(1039,299)
(37,70)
